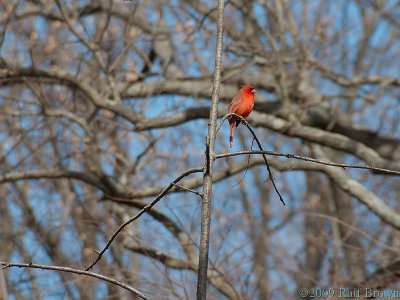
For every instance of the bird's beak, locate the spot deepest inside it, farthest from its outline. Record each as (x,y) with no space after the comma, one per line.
(253,91)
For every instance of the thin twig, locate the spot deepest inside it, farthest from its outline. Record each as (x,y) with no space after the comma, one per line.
(247,167)
(142,211)
(289,155)
(187,189)
(259,146)
(76,271)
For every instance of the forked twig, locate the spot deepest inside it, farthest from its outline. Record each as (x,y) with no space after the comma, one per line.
(244,122)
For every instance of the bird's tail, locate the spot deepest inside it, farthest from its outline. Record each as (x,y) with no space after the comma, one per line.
(231,129)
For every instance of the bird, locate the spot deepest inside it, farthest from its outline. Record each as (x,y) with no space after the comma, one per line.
(242,104)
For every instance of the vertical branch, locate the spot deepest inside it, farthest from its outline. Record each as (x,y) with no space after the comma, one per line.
(209,161)
(3,286)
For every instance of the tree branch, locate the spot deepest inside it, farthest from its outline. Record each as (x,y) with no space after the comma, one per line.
(53,174)
(209,162)
(214,275)
(322,137)
(327,163)
(259,146)
(145,209)
(75,271)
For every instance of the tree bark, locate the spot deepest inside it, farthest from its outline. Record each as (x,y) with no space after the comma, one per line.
(209,161)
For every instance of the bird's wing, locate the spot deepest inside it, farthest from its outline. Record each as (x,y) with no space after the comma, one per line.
(235,103)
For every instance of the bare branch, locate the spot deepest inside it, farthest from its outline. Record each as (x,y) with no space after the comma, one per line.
(259,146)
(18,75)
(214,275)
(322,137)
(75,271)
(53,174)
(356,189)
(145,209)
(209,161)
(188,190)
(289,155)
(383,276)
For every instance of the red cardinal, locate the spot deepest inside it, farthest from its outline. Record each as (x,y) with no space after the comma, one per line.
(242,104)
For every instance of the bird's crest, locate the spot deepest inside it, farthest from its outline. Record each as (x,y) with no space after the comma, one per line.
(248,88)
